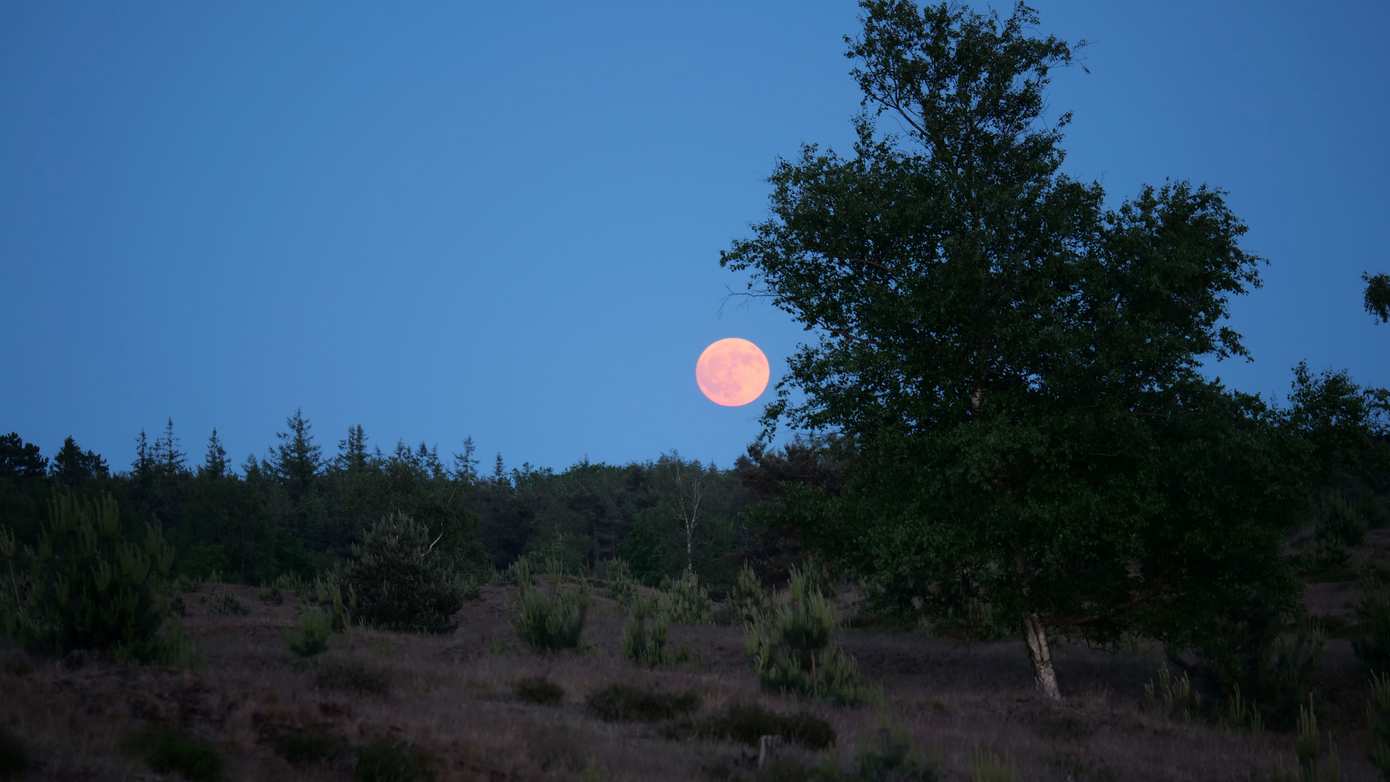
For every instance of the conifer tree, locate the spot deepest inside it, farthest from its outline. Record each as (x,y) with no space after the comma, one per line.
(297,458)
(466,463)
(215,460)
(352,450)
(72,465)
(19,459)
(168,459)
(142,469)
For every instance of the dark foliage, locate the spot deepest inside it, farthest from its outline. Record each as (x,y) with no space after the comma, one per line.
(628,703)
(386,760)
(166,749)
(539,690)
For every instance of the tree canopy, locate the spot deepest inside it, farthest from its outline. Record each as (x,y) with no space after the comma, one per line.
(1016,364)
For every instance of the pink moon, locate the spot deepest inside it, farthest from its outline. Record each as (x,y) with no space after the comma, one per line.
(732,372)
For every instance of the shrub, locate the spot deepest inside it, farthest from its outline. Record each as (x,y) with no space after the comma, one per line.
(1312,767)
(392,761)
(790,643)
(538,689)
(166,749)
(306,748)
(626,703)
(311,638)
(399,581)
(621,585)
(685,601)
(1173,696)
(90,585)
(354,676)
(748,722)
(1378,722)
(14,755)
(748,596)
(1271,660)
(549,621)
(1372,641)
(228,605)
(330,593)
(891,758)
(989,766)
(644,633)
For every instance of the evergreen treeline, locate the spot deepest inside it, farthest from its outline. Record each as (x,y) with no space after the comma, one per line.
(300,509)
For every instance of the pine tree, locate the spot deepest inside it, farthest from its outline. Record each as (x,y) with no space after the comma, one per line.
(72,465)
(215,462)
(19,459)
(499,471)
(168,459)
(466,463)
(143,466)
(251,469)
(352,451)
(297,458)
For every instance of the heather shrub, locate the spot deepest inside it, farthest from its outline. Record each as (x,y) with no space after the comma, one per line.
(685,600)
(352,675)
(90,584)
(891,758)
(747,722)
(311,637)
(644,633)
(385,760)
(549,620)
(791,645)
(626,703)
(166,749)
(1271,659)
(400,581)
(306,747)
(539,690)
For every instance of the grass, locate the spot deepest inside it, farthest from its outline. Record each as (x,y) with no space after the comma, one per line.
(539,690)
(353,676)
(167,749)
(626,703)
(386,760)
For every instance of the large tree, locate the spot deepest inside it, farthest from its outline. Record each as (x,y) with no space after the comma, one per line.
(1016,366)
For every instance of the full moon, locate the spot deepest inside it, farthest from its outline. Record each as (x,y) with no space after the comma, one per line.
(732,372)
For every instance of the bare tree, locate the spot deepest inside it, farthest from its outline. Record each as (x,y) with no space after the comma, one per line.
(688,481)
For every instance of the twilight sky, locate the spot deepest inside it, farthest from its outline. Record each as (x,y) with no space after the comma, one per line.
(505,220)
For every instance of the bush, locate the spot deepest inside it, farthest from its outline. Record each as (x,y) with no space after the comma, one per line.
(891,758)
(306,748)
(625,703)
(748,722)
(1378,722)
(790,643)
(621,585)
(539,690)
(311,638)
(354,676)
(1312,766)
(166,749)
(1270,659)
(340,601)
(988,766)
(685,601)
(399,581)
(550,621)
(1372,641)
(228,605)
(748,598)
(392,761)
(644,633)
(89,585)
(14,755)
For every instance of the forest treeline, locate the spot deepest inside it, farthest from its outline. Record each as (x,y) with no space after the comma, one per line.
(299,509)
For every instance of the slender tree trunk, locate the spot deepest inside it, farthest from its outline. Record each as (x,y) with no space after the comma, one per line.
(1043,674)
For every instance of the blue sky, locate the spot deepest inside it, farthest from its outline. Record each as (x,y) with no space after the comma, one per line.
(504,220)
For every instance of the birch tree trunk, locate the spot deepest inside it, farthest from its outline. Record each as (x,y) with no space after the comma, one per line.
(1044,676)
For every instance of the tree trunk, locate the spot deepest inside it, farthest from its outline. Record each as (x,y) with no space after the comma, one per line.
(1043,674)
